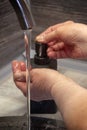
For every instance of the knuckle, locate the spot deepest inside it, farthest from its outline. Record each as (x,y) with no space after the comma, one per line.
(70,21)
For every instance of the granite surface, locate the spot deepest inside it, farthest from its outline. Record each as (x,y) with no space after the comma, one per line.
(37,123)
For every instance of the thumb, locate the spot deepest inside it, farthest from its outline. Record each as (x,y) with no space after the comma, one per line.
(51,36)
(56,32)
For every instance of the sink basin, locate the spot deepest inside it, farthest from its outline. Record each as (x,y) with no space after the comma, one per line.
(13,102)
(75,69)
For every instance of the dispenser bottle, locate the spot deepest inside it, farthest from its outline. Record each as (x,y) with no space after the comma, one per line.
(41,60)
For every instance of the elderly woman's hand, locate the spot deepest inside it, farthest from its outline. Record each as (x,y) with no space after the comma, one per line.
(41,80)
(65,40)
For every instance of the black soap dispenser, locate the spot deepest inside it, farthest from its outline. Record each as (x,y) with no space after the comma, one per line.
(41,60)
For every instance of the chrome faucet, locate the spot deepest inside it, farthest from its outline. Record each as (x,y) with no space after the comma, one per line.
(23,11)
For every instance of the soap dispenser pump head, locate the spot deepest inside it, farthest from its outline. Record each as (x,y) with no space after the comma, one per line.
(41,57)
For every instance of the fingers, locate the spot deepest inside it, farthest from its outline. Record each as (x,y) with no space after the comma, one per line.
(56,46)
(51,36)
(22,66)
(16,66)
(57,54)
(19,75)
(54,50)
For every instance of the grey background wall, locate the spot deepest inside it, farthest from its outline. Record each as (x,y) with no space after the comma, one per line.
(45,12)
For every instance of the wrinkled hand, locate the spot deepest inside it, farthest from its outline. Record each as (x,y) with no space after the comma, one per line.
(65,40)
(42,81)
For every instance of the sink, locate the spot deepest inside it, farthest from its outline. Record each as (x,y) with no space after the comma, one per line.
(75,69)
(13,102)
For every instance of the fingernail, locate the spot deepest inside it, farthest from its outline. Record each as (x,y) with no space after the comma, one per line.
(40,38)
(23,66)
(15,66)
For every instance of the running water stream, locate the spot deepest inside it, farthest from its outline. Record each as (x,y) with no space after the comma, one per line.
(27,39)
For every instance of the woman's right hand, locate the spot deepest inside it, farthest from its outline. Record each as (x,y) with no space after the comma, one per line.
(65,40)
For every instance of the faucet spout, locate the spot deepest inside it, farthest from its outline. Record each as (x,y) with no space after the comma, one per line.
(24,14)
